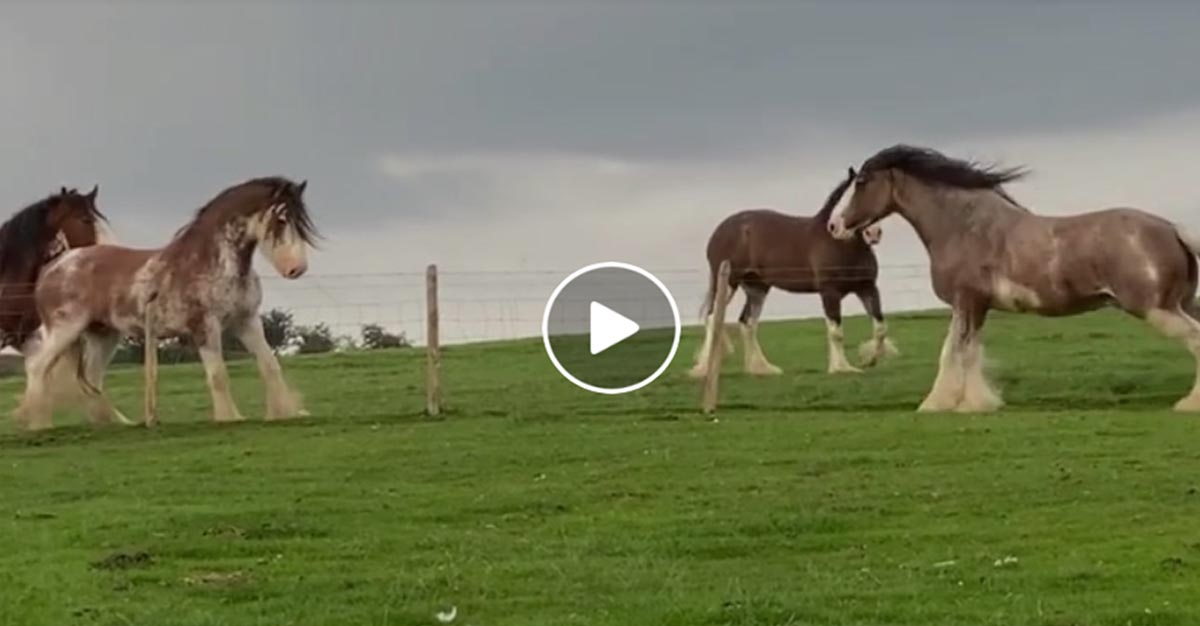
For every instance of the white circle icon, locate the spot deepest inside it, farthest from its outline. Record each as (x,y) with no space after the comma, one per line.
(625,313)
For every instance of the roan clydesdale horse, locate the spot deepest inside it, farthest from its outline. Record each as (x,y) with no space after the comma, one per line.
(200,284)
(768,249)
(988,252)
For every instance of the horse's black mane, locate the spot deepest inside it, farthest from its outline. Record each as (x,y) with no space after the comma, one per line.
(24,236)
(289,194)
(934,167)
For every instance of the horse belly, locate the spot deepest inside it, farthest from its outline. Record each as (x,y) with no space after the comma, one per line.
(1009,295)
(1050,298)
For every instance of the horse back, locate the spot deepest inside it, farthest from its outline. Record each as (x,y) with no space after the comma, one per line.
(100,280)
(1068,264)
(788,252)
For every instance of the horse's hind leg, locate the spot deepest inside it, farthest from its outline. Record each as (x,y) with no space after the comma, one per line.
(98,350)
(838,363)
(36,407)
(978,394)
(1183,327)
(755,361)
(700,368)
(878,346)
(282,402)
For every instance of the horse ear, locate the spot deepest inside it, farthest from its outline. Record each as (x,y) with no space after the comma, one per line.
(62,191)
(300,188)
(851,173)
(95,190)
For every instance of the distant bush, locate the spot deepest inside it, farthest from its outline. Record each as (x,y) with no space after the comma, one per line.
(282,334)
(279,328)
(375,337)
(315,339)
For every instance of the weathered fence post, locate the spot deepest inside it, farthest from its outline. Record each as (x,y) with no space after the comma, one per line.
(716,354)
(150,350)
(433,354)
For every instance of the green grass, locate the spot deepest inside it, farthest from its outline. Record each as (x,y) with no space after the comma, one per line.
(813,500)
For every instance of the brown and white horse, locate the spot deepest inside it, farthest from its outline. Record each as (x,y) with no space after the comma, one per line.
(768,249)
(199,284)
(28,241)
(988,252)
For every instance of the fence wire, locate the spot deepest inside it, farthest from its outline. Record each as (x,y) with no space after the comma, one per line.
(488,305)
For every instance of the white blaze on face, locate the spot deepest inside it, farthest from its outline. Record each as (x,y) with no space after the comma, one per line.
(287,252)
(837,228)
(58,246)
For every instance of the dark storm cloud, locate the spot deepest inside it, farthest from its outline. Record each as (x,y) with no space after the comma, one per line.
(166,104)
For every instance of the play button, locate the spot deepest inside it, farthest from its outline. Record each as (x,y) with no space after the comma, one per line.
(608,328)
(611,328)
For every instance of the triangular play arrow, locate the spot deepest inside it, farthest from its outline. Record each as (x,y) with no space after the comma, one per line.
(607,328)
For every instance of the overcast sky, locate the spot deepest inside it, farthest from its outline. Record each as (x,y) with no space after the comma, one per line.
(550,135)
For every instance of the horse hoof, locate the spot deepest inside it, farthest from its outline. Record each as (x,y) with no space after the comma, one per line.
(934,406)
(977,408)
(697,372)
(1190,404)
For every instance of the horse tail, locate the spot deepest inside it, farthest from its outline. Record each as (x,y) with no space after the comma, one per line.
(78,352)
(1191,243)
(1190,240)
(64,374)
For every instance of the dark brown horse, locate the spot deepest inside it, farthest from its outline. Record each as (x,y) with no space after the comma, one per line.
(768,249)
(988,252)
(200,284)
(28,241)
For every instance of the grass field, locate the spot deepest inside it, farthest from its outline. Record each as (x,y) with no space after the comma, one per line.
(812,500)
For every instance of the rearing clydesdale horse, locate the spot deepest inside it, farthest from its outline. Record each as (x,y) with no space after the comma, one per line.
(988,252)
(28,241)
(768,249)
(200,284)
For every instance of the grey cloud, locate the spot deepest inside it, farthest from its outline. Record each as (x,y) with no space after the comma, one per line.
(165,105)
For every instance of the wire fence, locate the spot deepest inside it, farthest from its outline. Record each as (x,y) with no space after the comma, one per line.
(489,305)
(456,307)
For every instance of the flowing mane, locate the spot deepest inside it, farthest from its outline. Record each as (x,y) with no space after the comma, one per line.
(287,193)
(24,236)
(932,166)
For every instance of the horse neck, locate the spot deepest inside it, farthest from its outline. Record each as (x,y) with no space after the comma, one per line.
(26,270)
(218,246)
(940,215)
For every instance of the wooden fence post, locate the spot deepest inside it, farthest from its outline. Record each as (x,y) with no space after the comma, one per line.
(433,354)
(150,350)
(716,354)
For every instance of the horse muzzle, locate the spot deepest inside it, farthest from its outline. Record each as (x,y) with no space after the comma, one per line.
(291,270)
(837,229)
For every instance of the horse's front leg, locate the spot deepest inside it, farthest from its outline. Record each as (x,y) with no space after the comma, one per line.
(282,402)
(947,391)
(978,394)
(878,346)
(209,343)
(960,384)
